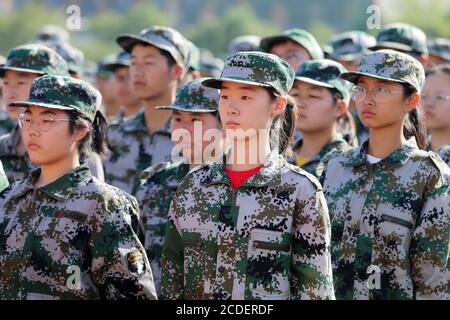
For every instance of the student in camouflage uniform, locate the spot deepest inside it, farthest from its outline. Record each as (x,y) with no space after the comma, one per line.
(24,64)
(194,103)
(322,99)
(6,123)
(253,229)
(293,45)
(347,48)
(404,38)
(439,52)
(103,82)
(63,233)
(158,56)
(129,104)
(389,201)
(436,106)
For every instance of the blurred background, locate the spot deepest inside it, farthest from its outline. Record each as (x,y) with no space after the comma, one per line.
(210,23)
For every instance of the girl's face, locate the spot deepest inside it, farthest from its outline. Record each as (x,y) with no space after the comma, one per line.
(317,109)
(187,141)
(436,103)
(46,135)
(384,104)
(247,107)
(16,86)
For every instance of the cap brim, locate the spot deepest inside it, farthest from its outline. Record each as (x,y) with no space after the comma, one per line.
(29,103)
(184,109)
(3,69)
(391,45)
(315,82)
(217,83)
(128,41)
(113,66)
(353,77)
(267,43)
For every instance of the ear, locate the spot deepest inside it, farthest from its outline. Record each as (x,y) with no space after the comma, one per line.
(177,72)
(412,102)
(279,106)
(340,109)
(80,133)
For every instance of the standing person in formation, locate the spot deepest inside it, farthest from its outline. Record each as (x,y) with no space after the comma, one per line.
(63,233)
(439,52)
(250,226)
(195,104)
(23,65)
(389,200)
(436,105)
(158,56)
(322,99)
(6,123)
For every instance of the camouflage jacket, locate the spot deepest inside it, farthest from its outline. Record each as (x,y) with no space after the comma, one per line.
(269,239)
(6,123)
(17,166)
(390,224)
(71,239)
(444,153)
(133,150)
(154,196)
(336,145)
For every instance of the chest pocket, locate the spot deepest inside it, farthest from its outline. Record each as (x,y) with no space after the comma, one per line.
(269,256)
(61,240)
(194,263)
(395,227)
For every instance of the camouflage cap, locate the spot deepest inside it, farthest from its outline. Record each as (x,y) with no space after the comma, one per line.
(258,69)
(349,45)
(440,47)
(73,56)
(302,37)
(244,43)
(164,38)
(63,93)
(119,60)
(211,66)
(402,37)
(35,58)
(195,97)
(2,60)
(193,58)
(390,65)
(324,73)
(102,69)
(53,33)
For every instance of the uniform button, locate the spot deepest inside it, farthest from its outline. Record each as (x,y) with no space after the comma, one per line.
(61,237)
(221,269)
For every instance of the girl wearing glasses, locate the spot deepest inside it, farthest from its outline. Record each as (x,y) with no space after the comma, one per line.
(389,200)
(63,233)
(436,105)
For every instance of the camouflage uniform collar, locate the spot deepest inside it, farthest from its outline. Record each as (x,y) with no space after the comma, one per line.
(270,173)
(334,142)
(61,189)
(397,158)
(137,124)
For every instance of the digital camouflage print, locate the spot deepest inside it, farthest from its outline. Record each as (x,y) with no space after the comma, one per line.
(336,145)
(444,153)
(134,149)
(244,43)
(389,224)
(71,239)
(269,239)
(35,58)
(154,196)
(440,47)
(389,65)
(349,45)
(256,68)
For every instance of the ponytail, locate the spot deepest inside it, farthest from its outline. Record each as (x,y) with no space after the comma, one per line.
(283,127)
(413,125)
(99,134)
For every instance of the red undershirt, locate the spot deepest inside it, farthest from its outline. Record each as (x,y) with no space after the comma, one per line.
(237,178)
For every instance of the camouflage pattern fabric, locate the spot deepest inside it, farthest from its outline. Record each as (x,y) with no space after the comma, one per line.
(444,153)
(390,223)
(134,149)
(349,45)
(6,123)
(440,47)
(244,43)
(269,239)
(75,224)
(154,196)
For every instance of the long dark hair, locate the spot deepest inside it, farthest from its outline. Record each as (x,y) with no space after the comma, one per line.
(95,139)
(413,124)
(283,126)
